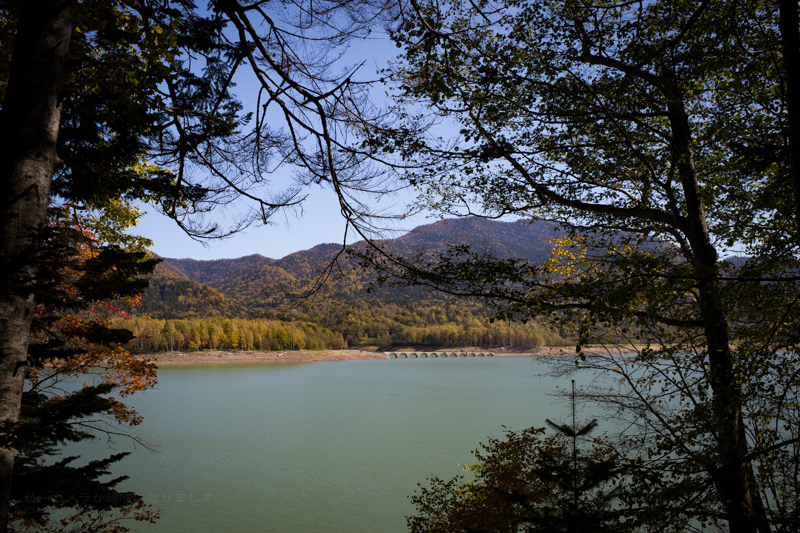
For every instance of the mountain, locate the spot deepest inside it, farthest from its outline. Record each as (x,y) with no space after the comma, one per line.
(255,285)
(171,295)
(521,239)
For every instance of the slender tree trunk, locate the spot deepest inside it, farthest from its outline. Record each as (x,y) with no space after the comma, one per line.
(29,124)
(733,479)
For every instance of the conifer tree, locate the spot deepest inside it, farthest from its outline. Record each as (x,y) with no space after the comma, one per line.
(532,483)
(73,332)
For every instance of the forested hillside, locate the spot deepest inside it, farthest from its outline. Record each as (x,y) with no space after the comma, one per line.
(258,283)
(350,304)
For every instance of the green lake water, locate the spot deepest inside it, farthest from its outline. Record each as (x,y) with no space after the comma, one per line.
(332,447)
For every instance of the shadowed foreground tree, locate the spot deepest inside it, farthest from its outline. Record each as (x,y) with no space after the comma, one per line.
(132,99)
(527,482)
(658,136)
(80,275)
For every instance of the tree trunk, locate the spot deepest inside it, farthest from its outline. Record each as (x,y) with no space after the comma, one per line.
(29,124)
(733,478)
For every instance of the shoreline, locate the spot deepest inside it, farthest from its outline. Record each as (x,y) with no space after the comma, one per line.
(225,357)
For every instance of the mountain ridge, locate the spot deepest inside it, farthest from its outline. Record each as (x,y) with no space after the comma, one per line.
(255,284)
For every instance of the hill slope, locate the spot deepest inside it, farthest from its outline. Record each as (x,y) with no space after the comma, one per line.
(258,285)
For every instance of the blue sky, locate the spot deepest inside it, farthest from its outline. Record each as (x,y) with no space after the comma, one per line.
(320,223)
(320,220)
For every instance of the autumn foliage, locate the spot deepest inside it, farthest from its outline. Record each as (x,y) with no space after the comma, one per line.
(527,481)
(73,335)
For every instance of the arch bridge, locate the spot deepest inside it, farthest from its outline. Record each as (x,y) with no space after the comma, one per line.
(428,355)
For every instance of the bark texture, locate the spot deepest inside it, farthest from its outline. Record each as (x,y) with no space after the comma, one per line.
(29,124)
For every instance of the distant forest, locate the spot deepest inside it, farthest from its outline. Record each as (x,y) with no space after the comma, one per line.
(342,326)
(254,303)
(191,334)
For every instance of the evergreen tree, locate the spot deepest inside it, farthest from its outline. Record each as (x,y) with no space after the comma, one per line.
(530,483)
(73,332)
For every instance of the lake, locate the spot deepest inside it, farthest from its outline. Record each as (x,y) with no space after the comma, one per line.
(319,447)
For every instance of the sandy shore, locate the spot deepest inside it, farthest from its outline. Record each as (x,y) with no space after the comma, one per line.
(302,356)
(234,357)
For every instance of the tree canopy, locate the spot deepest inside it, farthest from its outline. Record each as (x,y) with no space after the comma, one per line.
(112,102)
(659,136)
(662,136)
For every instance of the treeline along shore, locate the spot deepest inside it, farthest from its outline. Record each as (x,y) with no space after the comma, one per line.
(195,334)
